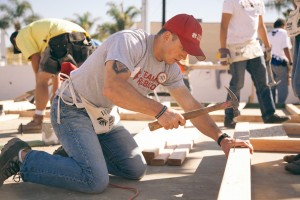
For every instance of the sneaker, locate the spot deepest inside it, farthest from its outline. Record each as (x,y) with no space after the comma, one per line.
(60,151)
(291,158)
(34,126)
(273,119)
(9,160)
(293,167)
(229,122)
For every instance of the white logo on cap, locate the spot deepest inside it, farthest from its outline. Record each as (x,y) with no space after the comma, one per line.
(196,36)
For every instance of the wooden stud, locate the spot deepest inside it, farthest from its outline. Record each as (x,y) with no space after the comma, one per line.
(293,109)
(163,156)
(236,183)
(291,128)
(179,154)
(291,145)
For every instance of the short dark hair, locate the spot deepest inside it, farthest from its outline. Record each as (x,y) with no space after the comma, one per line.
(279,23)
(13,41)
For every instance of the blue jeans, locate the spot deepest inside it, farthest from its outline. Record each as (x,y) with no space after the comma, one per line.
(257,69)
(280,73)
(296,67)
(91,157)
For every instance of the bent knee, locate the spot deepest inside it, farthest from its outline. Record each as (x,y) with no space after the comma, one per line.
(138,172)
(98,185)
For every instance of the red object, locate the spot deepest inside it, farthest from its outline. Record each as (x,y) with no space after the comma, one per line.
(189,31)
(182,67)
(67,67)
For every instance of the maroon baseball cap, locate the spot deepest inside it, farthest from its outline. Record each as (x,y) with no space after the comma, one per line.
(189,31)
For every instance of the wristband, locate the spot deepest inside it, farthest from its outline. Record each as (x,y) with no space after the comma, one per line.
(224,135)
(163,110)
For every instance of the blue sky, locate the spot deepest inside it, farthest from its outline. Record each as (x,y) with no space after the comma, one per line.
(208,10)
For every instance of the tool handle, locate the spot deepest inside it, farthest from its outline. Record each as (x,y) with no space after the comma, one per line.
(192,114)
(205,110)
(154,126)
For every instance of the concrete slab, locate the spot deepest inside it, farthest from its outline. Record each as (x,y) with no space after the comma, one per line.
(199,178)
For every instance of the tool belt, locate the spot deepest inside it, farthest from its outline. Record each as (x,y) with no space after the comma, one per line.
(68,47)
(245,51)
(278,61)
(103,119)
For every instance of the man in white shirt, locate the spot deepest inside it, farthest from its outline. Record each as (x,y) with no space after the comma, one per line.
(281,59)
(241,24)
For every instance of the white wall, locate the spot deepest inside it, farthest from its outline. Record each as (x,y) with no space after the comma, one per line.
(15,80)
(205,90)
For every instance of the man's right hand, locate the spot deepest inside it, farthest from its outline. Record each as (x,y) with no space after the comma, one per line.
(171,119)
(224,56)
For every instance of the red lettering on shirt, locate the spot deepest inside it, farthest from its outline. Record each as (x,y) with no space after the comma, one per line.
(146,80)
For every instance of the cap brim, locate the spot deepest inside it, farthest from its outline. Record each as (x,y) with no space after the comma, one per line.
(193,49)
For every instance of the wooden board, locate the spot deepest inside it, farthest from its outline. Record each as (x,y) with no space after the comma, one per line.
(7,117)
(214,66)
(236,182)
(291,128)
(155,144)
(273,138)
(289,145)
(179,155)
(293,109)
(163,156)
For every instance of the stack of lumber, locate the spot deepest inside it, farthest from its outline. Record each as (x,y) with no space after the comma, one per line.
(163,147)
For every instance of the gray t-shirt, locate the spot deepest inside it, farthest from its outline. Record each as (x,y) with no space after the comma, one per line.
(133,48)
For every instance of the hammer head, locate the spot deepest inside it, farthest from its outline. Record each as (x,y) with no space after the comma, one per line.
(234,102)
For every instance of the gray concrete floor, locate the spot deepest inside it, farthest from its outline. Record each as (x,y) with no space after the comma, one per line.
(198,178)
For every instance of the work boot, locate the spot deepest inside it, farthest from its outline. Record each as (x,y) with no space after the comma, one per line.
(293,167)
(60,151)
(291,158)
(275,119)
(34,126)
(9,160)
(229,122)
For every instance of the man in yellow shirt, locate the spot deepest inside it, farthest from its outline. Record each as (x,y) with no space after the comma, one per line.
(47,43)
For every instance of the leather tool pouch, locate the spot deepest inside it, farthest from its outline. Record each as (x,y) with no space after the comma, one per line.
(71,47)
(80,46)
(58,45)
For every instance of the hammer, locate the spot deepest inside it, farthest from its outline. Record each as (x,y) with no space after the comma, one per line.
(233,102)
(272,82)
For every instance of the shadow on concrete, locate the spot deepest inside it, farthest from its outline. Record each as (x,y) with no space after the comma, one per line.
(270,180)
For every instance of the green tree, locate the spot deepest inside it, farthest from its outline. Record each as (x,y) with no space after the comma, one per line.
(281,6)
(16,13)
(123,20)
(85,21)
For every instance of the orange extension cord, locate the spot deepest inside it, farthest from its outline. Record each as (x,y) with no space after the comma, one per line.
(136,191)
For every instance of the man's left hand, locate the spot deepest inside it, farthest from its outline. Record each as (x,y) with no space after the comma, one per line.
(228,143)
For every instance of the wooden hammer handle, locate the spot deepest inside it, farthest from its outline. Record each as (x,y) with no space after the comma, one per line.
(195,113)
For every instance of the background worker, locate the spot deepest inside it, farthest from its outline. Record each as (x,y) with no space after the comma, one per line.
(129,65)
(241,23)
(293,30)
(281,59)
(47,43)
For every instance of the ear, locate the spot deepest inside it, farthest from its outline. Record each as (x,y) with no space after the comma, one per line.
(167,35)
